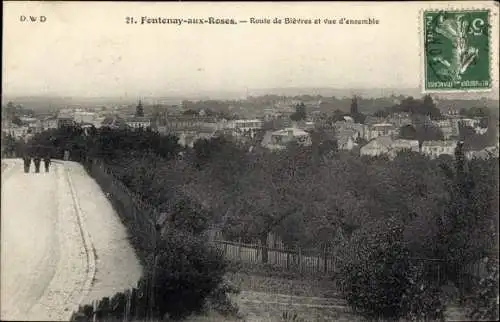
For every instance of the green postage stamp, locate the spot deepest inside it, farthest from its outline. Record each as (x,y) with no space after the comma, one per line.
(457,54)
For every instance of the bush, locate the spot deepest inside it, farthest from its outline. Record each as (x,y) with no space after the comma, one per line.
(384,282)
(484,300)
(187,273)
(220,302)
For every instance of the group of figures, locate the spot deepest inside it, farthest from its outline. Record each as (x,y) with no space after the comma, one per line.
(37,160)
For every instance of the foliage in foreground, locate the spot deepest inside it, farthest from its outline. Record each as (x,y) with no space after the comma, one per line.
(484,301)
(188,279)
(383,281)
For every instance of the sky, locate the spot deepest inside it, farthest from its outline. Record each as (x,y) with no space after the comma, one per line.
(87,48)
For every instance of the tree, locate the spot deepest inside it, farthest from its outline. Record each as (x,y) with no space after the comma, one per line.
(475,112)
(355,114)
(468,226)
(354,106)
(408,132)
(381,113)
(139,110)
(189,216)
(428,107)
(380,280)
(300,113)
(16,120)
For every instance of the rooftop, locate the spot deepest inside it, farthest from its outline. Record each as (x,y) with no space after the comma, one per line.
(449,143)
(291,131)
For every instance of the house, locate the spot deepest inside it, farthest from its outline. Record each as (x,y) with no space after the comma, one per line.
(138,122)
(385,145)
(480,130)
(245,127)
(279,139)
(65,117)
(63,121)
(18,132)
(378,146)
(36,126)
(114,122)
(380,129)
(188,139)
(486,153)
(434,149)
(399,119)
(49,123)
(448,127)
(98,121)
(346,143)
(84,117)
(181,123)
(470,122)
(370,120)
(348,125)
(404,145)
(346,138)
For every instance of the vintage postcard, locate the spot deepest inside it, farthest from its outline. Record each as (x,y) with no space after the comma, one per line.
(250,161)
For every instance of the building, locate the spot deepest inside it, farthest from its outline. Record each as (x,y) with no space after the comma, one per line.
(189,139)
(448,127)
(138,122)
(371,120)
(385,145)
(347,137)
(65,117)
(470,122)
(114,122)
(399,119)
(279,139)
(64,121)
(49,123)
(434,149)
(404,145)
(193,123)
(346,143)
(380,129)
(480,130)
(376,147)
(486,153)
(245,127)
(36,127)
(18,132)
(81,117)
(349,126)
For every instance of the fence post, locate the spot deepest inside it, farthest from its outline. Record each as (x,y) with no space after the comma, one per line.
(239,248)
(318,262)
(325,257)
(288,259)
(300,259)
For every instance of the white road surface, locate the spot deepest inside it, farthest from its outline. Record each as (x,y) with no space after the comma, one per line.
(61,243)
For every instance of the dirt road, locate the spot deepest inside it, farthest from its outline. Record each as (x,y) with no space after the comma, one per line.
(50,243)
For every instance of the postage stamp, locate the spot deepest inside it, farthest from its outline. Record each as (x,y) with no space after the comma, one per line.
(457,53)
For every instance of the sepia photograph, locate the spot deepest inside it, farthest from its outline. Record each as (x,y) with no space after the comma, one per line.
(250,161)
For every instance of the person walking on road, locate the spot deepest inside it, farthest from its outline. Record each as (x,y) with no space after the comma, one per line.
(66,155)
(37,161)
(46,161)
(27,163)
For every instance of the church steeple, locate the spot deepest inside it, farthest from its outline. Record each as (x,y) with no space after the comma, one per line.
(139,110)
